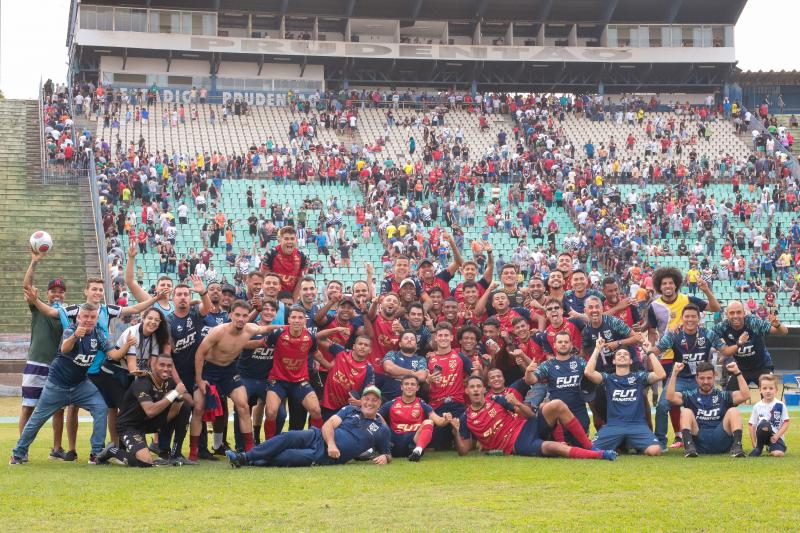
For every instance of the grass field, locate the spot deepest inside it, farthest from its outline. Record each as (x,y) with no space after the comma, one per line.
(443,492)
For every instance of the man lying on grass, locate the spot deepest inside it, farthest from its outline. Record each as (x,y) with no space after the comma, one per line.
(511,426)
(351,433)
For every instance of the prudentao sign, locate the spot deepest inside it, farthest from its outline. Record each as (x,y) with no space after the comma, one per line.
(288,47)
(256,98)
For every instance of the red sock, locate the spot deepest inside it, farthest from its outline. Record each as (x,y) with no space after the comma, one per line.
(576,430)
(558,433)
(675,417)
(425,435)
(194,446)
(248,441)
(580,453)
(270,428)
(316,422)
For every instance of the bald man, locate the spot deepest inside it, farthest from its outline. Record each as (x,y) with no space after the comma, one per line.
(747,332)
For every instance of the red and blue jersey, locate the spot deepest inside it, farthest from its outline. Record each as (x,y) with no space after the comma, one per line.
(495,425)
(405,417)
(289,267)
(291,356)
(384,341)
(449,387)
(346,377)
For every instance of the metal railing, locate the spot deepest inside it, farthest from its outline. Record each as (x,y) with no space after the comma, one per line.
(69,173)
(100,234)
(758,125)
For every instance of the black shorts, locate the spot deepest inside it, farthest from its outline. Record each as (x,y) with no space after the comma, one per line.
(110,388)
(133,440)
(750,376)
(225,378)
(533,434)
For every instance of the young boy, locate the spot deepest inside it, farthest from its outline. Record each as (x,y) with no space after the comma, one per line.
(770,419)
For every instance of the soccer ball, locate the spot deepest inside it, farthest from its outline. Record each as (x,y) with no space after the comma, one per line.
(41,241)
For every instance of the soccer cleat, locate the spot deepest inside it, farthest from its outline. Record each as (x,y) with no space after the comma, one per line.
(610,455)
(180,460)
(162,462)
(221,450)
(207,455)
(677,443)
(737,451)
(755,452)
(237,460)
(15,460)
(25,458)
(71,455)
(689,450)
(57,454)
(416,455)
(107,453)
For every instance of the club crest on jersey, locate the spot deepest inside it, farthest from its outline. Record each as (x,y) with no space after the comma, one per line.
(701,341)
(573,365)
(452,364)
(93,344)
(415,412)
(715,399)
(188,322)
(631,380)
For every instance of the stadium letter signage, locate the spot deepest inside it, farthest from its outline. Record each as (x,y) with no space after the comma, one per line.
(410,51)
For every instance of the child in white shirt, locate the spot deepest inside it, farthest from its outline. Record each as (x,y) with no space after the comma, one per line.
(769,420)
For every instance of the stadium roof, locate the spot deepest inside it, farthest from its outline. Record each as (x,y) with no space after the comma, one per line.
(768,77)
(589,11)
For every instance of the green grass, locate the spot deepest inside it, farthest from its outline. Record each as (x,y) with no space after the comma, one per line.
(443,492)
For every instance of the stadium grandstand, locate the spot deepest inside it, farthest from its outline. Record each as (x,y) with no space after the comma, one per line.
(617,132)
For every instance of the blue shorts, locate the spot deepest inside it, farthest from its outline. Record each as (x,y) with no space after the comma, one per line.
(402,444)
(529,441)
(256,389)
(713,440)
(294,391)
(635,435)
(225,378)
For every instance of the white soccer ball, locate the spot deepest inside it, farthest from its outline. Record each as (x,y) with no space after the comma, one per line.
(41,241)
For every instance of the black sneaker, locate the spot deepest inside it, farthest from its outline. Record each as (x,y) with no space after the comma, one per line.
(755,452)
(221,450)
(237,460)
(107,453)
(57,454)
(737,451)
(207,456)
(416,455)
(71,455)
(16,460)
(180,460)
(689,449)
(162,462)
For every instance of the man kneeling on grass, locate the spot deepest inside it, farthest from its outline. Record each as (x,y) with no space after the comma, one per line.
(509,425)
(710,422)
(351,433)
(153,403)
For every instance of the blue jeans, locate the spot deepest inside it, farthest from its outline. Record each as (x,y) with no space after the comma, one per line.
(53,398)
(663,407)
(295,448)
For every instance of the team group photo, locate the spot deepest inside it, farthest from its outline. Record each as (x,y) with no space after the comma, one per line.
(494,265)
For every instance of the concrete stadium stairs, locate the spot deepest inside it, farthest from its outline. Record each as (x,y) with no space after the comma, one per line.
(27,204)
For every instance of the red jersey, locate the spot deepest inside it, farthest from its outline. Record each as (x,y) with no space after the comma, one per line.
(346,376)
(458,293)
(291,355)
(405,417)
(550,332)
(455,368)
(437,282)
(384,341)
(531,349)
(289,267)
(338,338)
(495,425)
(626,315)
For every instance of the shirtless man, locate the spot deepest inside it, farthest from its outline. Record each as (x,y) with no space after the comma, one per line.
(213,366)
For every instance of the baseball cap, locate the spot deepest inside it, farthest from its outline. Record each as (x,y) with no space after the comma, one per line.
(57,283)
(406,282)
(347,300)
(425,260)
(372,389)
(227,287)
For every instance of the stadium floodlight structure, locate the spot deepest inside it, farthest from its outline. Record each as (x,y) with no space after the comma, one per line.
(268,47)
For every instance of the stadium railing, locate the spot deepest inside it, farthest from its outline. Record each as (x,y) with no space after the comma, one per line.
(759,126)
(99,232)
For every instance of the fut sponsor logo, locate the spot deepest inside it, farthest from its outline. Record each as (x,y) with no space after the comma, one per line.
(708,414)
(624,395)
(564,382)
(693,357)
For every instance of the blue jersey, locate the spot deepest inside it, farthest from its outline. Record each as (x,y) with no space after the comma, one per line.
(754,354)
(690,349)
(186,335)
(578,303)
(415,362)
(611,329)
(311,312)
(709,409)
(423,334)
(69,314)
(625,397)
(69,369)
(256,363)
(563,379)
(356,434)
(213,320)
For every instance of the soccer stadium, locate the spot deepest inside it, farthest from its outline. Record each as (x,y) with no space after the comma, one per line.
(498,265)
